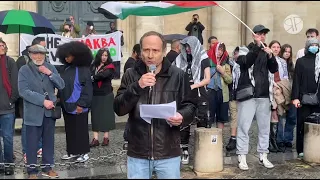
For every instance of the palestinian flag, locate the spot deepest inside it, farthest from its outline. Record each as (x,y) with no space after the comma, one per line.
(115,10)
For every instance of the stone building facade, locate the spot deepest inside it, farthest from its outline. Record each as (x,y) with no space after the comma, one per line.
(217,22)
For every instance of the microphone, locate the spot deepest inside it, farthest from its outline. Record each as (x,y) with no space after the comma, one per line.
(152,69)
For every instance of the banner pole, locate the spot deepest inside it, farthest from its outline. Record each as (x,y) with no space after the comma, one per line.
(240,21)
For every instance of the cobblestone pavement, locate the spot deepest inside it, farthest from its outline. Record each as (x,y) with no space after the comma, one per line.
(287,166)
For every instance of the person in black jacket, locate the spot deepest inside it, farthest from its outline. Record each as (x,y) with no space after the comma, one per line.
(76,97)
(102,114)
(175,50)
(305,81)
(8,96)
(154,145)
(135,56)
(257,68)
(136,52)
(195,28)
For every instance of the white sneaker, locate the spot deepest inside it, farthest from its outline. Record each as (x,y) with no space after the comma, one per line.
(300,155)
(185,157)
(242,159)
(83,158)
(263,160)
(66,157)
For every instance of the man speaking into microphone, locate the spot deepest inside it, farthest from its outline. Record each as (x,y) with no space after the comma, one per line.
(155,146)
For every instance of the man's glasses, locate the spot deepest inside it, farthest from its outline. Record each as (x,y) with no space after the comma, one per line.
(3,46)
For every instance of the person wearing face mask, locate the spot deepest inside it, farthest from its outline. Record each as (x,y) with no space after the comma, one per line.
(37,81)
(305,81)
(193,60)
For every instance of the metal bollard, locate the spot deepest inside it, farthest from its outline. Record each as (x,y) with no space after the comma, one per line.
(208,149)
(311,141)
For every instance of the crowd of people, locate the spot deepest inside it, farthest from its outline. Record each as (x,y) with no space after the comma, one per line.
(257,80)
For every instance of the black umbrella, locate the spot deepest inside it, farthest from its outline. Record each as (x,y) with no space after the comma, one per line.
(170,37)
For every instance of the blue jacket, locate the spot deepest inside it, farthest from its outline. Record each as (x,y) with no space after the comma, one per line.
(31,91)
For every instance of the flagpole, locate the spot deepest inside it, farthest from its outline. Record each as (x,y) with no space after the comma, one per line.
(239,20)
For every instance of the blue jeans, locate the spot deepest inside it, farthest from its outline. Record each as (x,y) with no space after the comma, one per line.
(23,139)
(285,134)
(143,168)
(7,128)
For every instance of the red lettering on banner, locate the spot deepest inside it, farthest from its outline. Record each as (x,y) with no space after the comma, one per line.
(112,42)
(96,44)
(88,43)
(104,42)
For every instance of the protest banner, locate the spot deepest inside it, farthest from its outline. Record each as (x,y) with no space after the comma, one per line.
(94,42)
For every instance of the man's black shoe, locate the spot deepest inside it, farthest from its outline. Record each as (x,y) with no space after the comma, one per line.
(288,145)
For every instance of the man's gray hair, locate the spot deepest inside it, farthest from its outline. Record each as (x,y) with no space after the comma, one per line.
(154,33)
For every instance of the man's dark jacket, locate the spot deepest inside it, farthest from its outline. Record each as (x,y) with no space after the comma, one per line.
(156,140)
(262,65)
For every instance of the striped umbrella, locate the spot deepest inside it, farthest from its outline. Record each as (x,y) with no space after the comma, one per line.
(21,21)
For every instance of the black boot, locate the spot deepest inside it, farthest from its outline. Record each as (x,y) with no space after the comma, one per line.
(273,137)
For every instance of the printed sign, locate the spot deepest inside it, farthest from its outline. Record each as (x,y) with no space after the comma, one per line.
(214,139)
(94,42)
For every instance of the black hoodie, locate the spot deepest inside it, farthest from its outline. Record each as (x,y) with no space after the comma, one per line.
(262,65)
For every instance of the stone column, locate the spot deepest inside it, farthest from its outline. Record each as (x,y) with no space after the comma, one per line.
(10,39)
(128,35)
(311,147)
(260,12)
(148,23)
(29,5)
(208,151)
(224,26)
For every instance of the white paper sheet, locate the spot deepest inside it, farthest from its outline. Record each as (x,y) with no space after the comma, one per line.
(161,111)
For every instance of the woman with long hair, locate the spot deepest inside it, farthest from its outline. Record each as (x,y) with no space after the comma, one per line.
(76,97)
(278,112)
(102,114)
(285,129)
